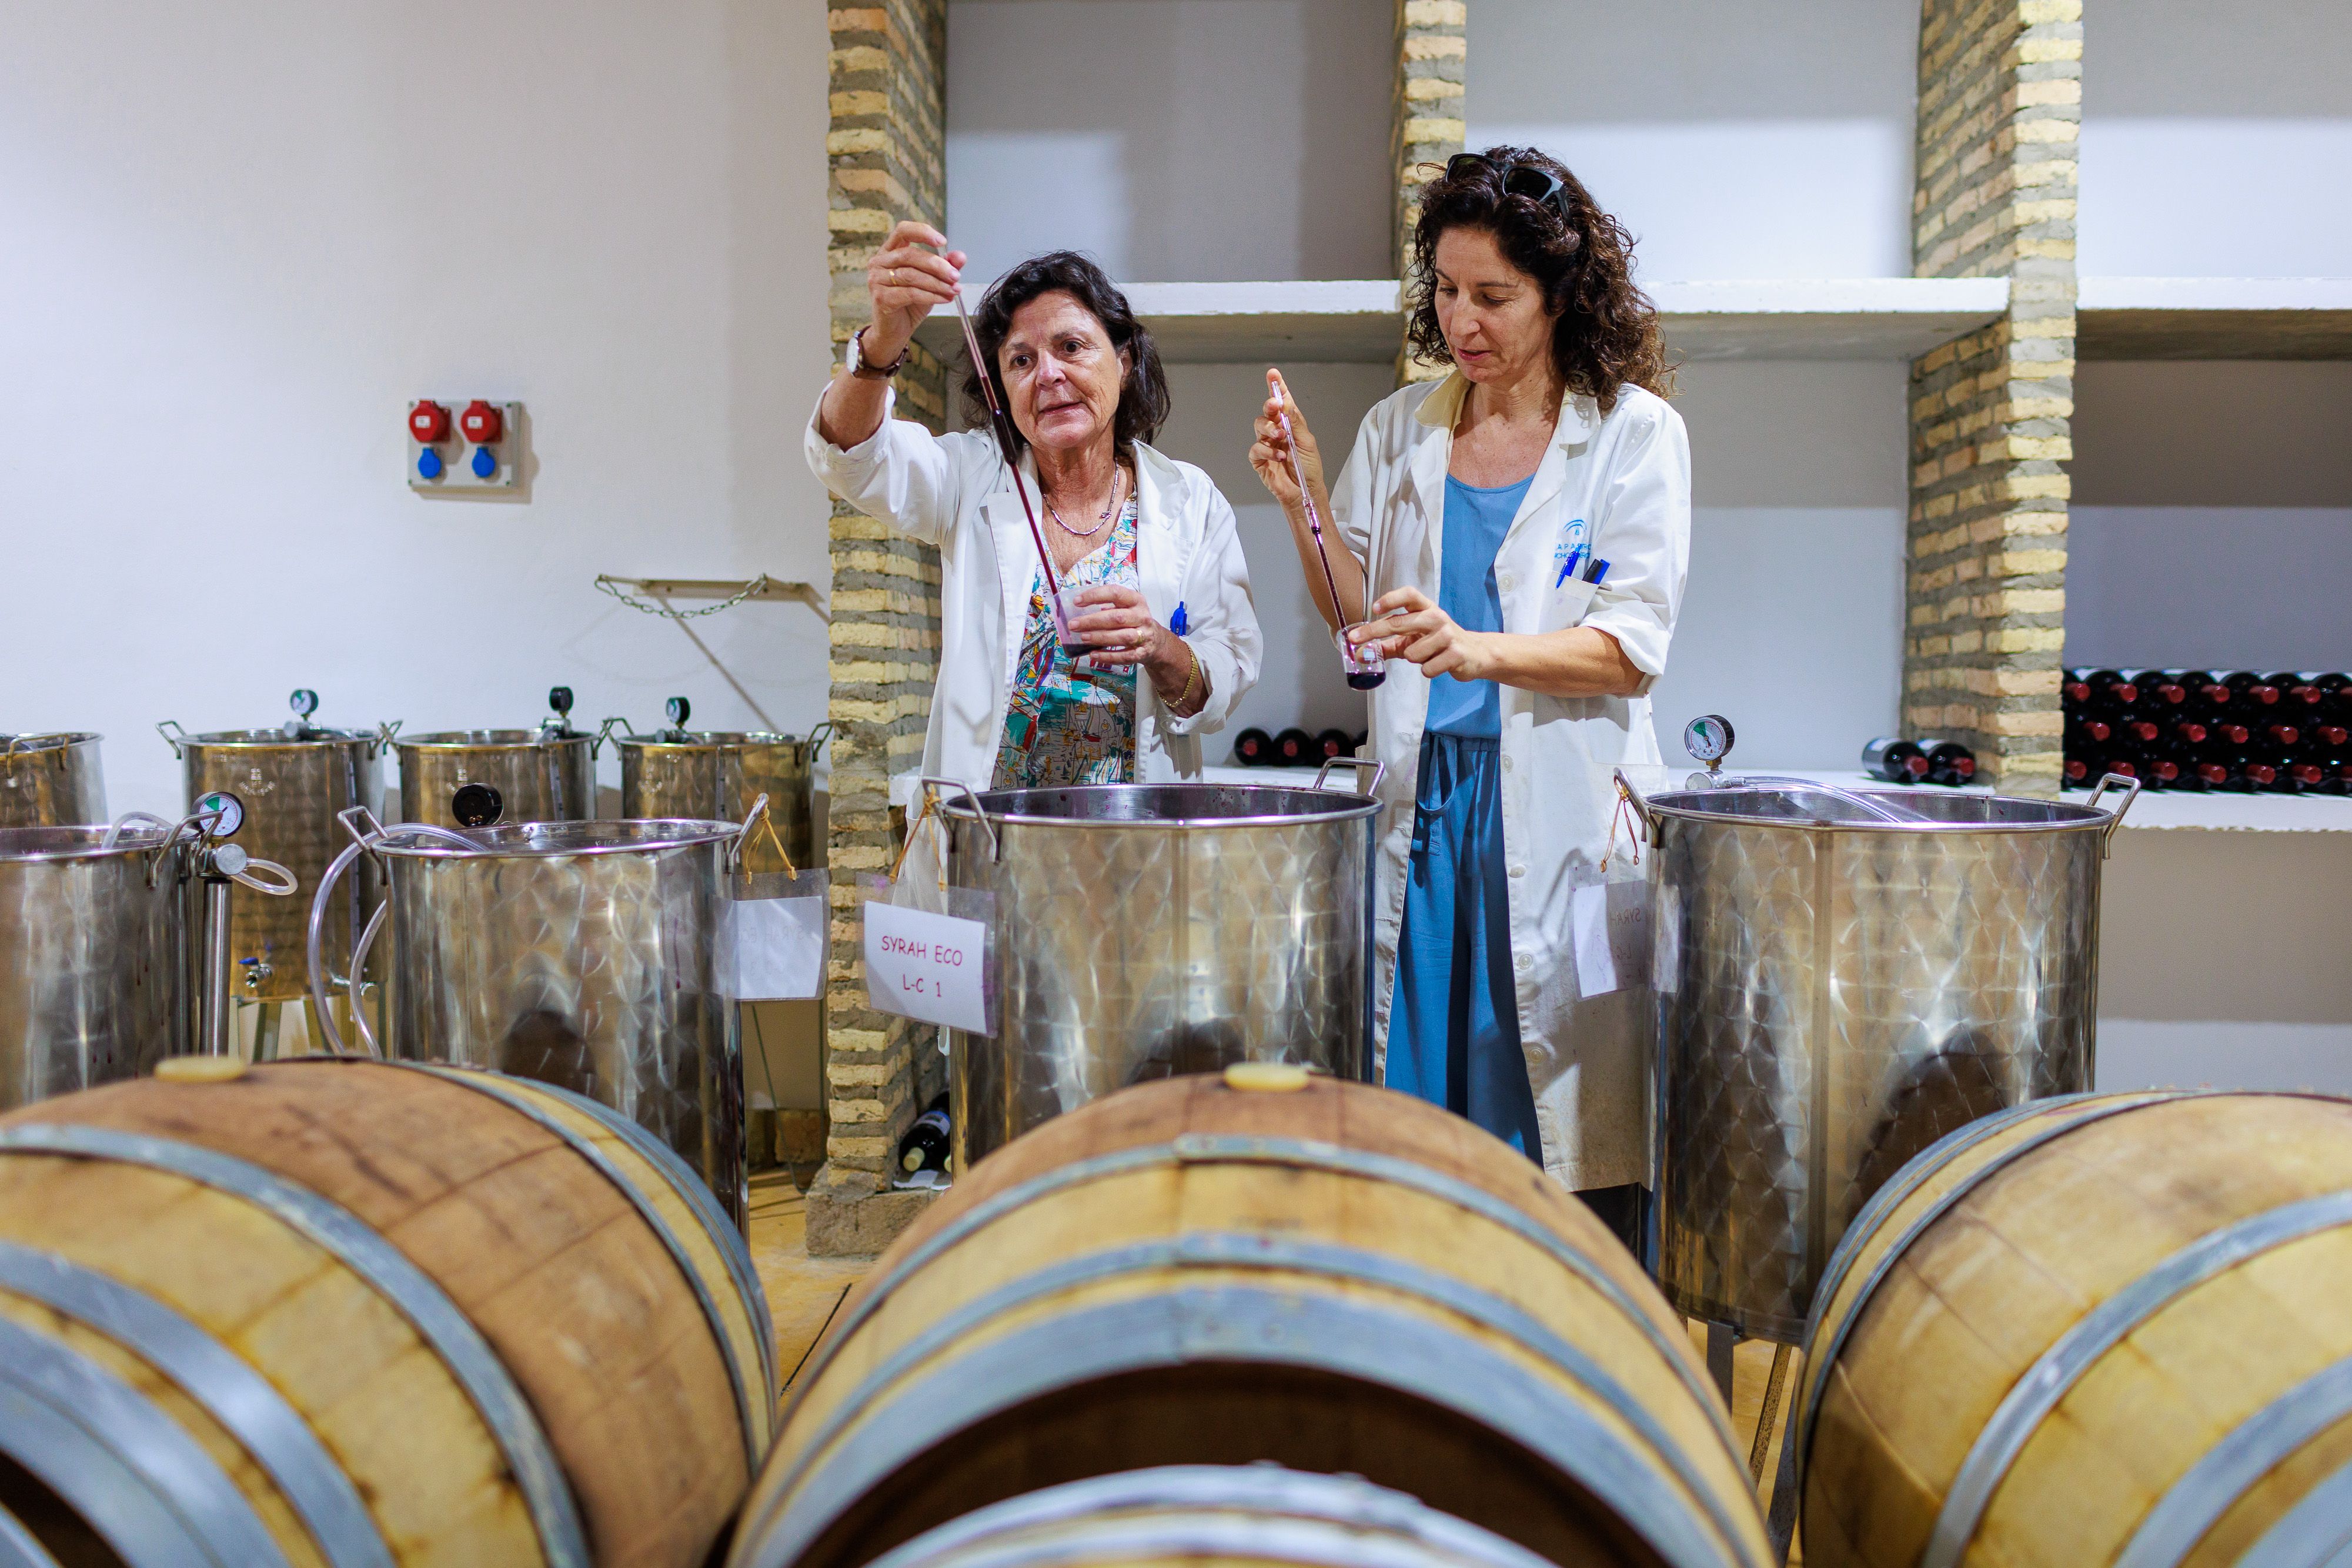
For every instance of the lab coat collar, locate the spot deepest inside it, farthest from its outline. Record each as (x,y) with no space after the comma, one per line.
(1580,416)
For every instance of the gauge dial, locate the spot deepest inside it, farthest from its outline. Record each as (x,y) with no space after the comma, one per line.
(1709,738)
(231,809)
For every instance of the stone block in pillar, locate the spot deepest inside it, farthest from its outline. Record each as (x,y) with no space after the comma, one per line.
(1999,111)
(1426,125)
(886,158)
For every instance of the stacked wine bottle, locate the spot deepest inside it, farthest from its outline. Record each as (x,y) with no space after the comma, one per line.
(2287,731)
(1294,747)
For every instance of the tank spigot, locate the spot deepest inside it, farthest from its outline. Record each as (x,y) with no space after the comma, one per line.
(256,973)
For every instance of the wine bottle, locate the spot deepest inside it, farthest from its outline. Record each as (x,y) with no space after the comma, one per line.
(2134,730)
(2286,737)
(1950,764)
(2109,691)
(2075,690)
(2245,773)
(1294,747)
(2188,732)
(1896,761)
(2208,698)
(925,1146)
(2229,732)
(2249,693)
(2159,690)
(1331,743)
(1253,749)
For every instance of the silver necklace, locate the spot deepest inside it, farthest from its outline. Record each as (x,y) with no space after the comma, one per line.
(1100,522)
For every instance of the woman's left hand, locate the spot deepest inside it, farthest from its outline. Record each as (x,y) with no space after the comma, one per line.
(1120,628)
(1410,626)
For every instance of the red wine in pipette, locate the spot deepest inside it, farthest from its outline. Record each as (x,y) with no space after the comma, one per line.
(1366,667)
(1000,425)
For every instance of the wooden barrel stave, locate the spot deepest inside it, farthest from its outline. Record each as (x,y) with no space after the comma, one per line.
(570,1286)
(1239,1284)
(2081,1284)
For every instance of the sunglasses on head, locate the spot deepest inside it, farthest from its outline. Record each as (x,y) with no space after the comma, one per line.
(1538,185)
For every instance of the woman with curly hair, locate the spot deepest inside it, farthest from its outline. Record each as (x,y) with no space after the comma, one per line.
(1516,538)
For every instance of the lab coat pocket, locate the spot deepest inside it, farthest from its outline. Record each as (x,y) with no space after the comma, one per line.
(1566,605)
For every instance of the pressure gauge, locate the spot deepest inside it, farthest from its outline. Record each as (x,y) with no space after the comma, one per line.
(304,702)
(231,809)
(679,710)
(476,805)
(1708,739)
(560,699)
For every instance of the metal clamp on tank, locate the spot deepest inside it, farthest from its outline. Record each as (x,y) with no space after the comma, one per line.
(2131,793)
(363,842)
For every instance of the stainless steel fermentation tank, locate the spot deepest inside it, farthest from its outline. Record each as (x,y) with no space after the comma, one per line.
(95,959)
(587,954)
(1842,977)
(1145,931)
(543,775)
(50,781)
(718,774)
(292,782)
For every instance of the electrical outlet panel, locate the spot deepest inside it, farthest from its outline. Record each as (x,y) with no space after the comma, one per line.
(460,445)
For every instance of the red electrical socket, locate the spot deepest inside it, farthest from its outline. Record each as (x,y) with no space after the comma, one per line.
(482,422)
(428,422)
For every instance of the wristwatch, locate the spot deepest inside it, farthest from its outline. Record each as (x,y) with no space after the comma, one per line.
(859,368)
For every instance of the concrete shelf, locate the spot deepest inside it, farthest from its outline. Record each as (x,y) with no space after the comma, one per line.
(2214,319)
(1360,321)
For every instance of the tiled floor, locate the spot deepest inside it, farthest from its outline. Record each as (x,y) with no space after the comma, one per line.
(803,1293)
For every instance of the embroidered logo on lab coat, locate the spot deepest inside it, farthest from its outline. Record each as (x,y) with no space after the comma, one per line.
(1569,553)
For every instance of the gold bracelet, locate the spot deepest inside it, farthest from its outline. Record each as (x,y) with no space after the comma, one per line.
(1191,676)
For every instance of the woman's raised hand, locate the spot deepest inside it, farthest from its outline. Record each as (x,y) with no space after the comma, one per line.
(1270,455)
(907,283)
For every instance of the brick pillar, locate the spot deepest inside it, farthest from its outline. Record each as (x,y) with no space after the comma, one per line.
(886,149)
(1426,125)
(2000,108)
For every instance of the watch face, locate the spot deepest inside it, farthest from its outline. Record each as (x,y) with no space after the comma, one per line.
(1709,738)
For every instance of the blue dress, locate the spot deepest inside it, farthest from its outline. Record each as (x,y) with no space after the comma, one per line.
(1454,1022)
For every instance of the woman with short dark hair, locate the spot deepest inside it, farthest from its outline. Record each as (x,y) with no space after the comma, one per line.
(1521,530)
(1143,545)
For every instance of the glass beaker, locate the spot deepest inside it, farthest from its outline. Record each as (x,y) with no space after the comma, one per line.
(1365,666)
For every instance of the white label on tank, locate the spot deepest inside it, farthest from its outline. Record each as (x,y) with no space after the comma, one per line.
(1611,922)
(927,967)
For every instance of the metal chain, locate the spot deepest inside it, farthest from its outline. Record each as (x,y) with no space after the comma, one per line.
(612,587)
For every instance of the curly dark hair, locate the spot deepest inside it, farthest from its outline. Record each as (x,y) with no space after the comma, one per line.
(1143,394)
(1604,333)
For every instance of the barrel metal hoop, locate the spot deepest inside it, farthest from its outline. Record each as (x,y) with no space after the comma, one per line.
(231,1392)
(483,1083)
(2248,1452)
(18,1547)
(1232,1249)
(1819,1363)
(1260,1492)
(452,1336)
(145,1486)
(690,1189)
(1239,1324)
(2317,1532)
(2048,1380)
(1190,1148)
(1914,1173)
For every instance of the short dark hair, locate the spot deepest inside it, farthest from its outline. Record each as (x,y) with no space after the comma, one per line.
(1143,391)
(1605,332)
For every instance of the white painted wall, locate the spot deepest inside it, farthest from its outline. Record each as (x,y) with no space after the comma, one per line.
(1792,623)
(2215,139)
(1211,141)
(1735,139)
(238,240)
(2211,526)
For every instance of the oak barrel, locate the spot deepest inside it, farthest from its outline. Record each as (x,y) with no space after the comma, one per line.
(1211,1516)
(335,1311)
(1329,1276)
(2103,1329)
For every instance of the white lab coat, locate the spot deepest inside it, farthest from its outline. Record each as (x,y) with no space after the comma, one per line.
(950,491)
(1626,476)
